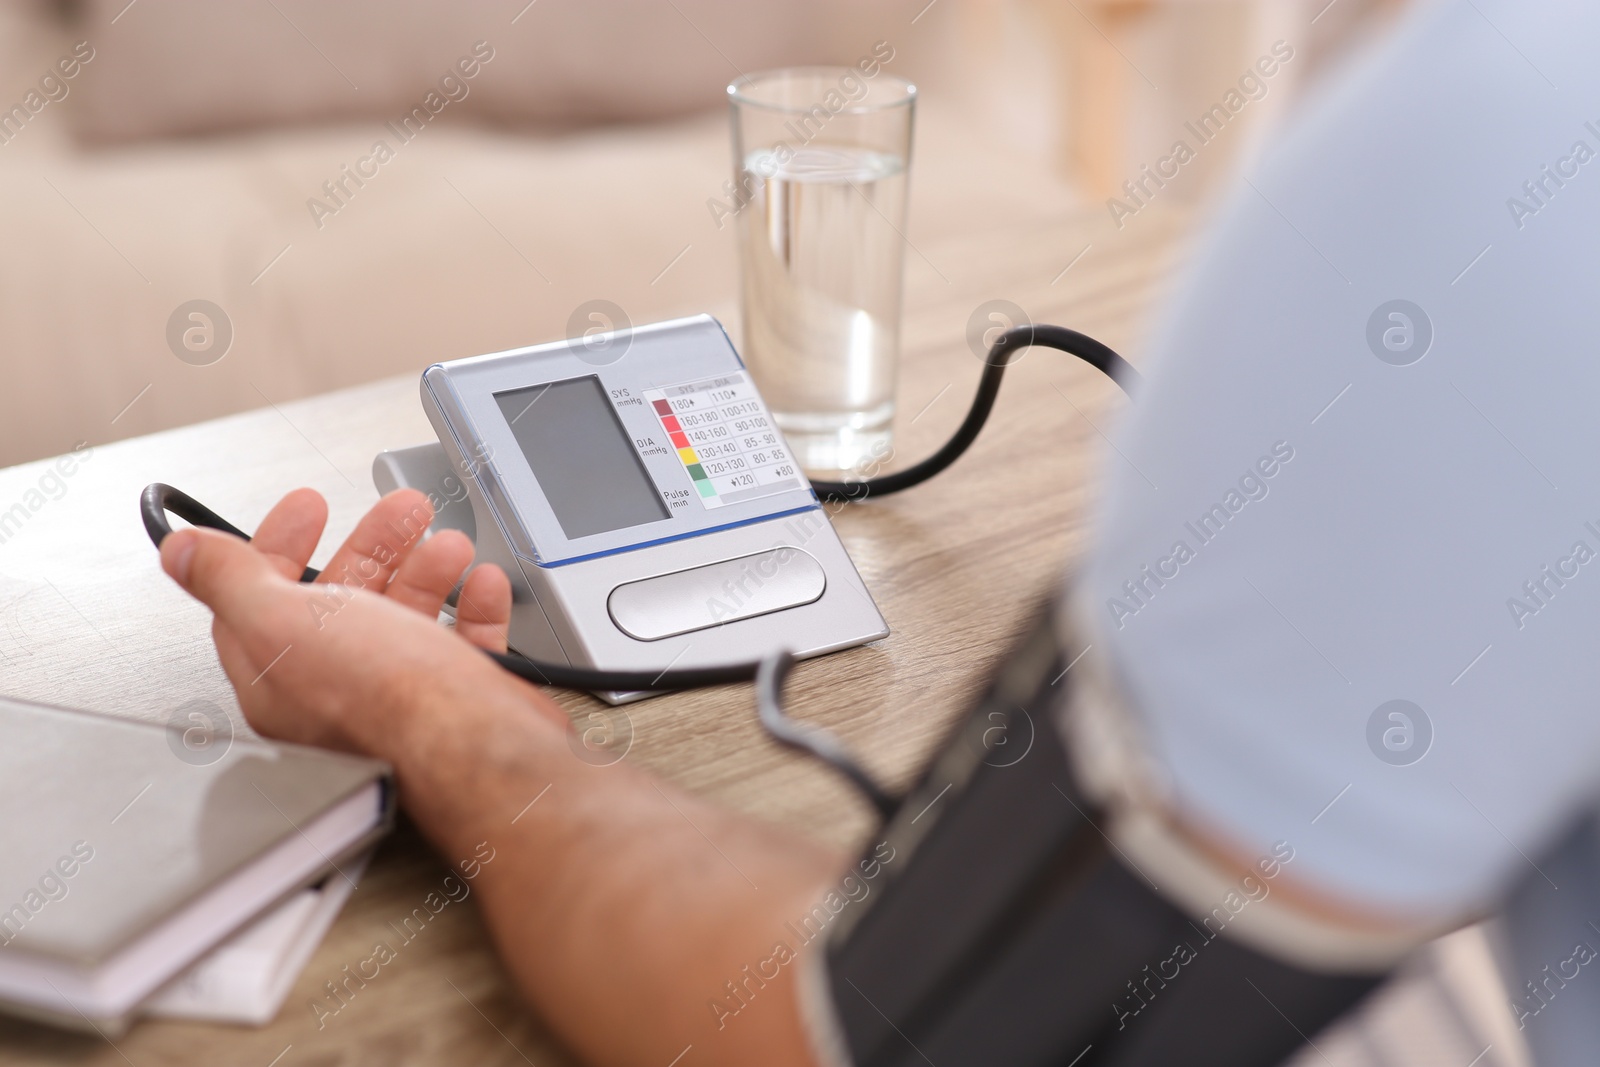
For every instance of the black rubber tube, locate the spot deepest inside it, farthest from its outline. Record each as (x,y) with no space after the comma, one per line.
(1005,349)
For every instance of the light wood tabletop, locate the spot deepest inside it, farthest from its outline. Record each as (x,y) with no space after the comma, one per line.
(88,620)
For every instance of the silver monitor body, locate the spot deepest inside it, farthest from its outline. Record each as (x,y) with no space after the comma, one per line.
(648,514)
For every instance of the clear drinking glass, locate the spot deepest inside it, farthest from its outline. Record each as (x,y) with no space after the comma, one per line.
(820,159)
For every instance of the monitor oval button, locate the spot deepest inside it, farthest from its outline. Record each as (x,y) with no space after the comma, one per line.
(701,597)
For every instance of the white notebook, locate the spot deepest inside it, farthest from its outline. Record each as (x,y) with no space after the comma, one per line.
(125,860)
(246,978)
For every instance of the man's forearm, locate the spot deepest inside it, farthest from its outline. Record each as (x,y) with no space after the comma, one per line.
(623,907)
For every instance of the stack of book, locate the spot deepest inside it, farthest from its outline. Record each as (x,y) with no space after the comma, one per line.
(164,870)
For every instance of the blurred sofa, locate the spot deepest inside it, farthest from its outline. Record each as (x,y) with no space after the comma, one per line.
(184,157)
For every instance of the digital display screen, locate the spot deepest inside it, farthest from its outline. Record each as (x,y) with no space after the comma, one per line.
(581,456)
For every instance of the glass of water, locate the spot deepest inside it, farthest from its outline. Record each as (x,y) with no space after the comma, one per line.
(820,159)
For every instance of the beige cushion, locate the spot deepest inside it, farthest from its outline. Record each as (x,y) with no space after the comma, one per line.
(471,240)
(189,66)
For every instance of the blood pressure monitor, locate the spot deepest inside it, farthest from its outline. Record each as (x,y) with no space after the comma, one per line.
(642,500)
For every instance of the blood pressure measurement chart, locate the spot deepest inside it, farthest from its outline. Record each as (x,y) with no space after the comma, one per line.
(725,438)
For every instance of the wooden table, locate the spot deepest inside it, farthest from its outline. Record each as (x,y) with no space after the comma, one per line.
(87,619)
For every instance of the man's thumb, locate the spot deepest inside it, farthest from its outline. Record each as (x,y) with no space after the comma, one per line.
(214,567)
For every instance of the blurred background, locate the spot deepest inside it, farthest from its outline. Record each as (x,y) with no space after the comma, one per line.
(230,154)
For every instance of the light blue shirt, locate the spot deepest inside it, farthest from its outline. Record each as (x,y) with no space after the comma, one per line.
(1348,567)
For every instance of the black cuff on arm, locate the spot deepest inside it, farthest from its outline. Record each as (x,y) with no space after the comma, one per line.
(1007,929)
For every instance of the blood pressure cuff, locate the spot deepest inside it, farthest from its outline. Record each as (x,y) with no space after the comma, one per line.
(1008,930)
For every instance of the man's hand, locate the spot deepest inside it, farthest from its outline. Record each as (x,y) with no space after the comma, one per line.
(628,968)
(334,663)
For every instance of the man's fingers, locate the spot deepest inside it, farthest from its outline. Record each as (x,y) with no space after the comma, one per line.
(426,576)
(380,542)
(483,611)
(291,530)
